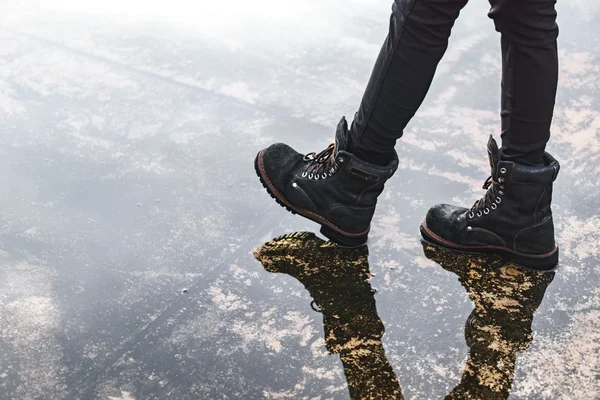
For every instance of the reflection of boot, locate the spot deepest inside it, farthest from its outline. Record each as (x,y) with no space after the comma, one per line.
(499,328)
(337,280)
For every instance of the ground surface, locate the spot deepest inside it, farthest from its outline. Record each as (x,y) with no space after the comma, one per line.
(129,209)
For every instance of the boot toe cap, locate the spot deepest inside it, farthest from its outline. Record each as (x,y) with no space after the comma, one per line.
(278,163)
(445,221)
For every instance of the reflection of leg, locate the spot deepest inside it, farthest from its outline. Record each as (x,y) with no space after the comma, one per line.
(529,75)
(337,280)
(494,341)
(499,328)
(369,374)
(417,39)
(495,338)
(353,330)
(487,376)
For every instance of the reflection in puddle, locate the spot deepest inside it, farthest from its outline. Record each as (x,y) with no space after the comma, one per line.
(337,280)
(497,330)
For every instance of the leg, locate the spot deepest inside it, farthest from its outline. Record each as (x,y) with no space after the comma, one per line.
(514,217)
(417,40)
(529,75)
(338,187)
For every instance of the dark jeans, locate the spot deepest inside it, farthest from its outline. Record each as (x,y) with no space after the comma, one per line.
(417,39)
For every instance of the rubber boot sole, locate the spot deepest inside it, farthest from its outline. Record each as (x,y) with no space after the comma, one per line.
(328,229)
(537,262)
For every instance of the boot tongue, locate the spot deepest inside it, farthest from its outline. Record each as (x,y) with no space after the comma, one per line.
(493,154)
(341,136)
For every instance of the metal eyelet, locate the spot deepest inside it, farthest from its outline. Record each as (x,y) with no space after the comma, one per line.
(304,174)
(486,211)
(502,170)
(498,200)
(494,206)
(311,176)
(479,214)
(324,176)
(471,215)
(341,159)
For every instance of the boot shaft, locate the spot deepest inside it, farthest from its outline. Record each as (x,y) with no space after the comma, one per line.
(528,189)
(360,181)
(520,195)
(363,182)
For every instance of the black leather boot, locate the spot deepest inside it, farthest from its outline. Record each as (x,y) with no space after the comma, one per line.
(332,188)
(514,217)
(337,280)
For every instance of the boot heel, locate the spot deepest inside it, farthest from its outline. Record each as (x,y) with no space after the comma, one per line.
(540,264)
(341,239)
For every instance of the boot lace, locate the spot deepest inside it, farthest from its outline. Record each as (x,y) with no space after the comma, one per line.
(322,165)
(491,200)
